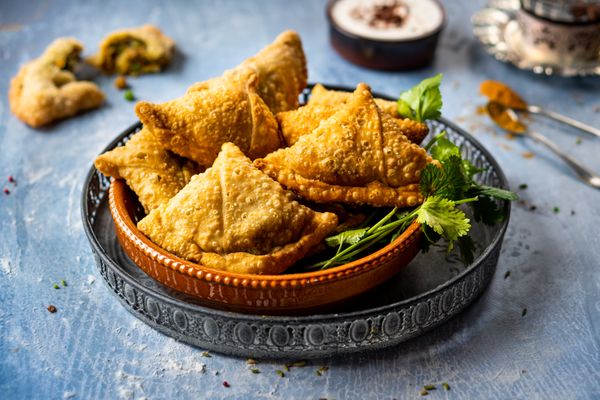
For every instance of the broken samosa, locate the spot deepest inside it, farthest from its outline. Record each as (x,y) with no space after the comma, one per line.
(323,103)
(235,218)
(213,112)
(153,173)
(282,73)
(134,51)
(46,89)
(359,156)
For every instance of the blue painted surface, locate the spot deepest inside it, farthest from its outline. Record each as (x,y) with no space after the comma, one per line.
(93,348)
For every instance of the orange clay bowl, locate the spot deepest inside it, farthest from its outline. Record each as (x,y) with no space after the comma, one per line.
(300,293)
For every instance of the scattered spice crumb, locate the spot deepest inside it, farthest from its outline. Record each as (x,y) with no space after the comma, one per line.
(524,312)
(205,354)
(578,141)
(12,180)
(506,274)
(121,83)
(128,95)
(556,210)
(226,384)
(6,191)
(532,207)
(528,155)
(255,370)
(280,373)
(298,364)
(523,371)
(423,392)
(429,387)
(52,309)
(63,282)
(55,286)
(572,212)
(251,361)
(523,186)
(446,386)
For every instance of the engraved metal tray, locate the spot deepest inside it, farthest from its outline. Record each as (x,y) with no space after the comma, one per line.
(429,291)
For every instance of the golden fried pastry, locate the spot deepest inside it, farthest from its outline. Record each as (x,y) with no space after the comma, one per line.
(217,111)
(359,155)
(323,103)
(134,51)
(235,218)
(45,89)
(281,68)
(153,173)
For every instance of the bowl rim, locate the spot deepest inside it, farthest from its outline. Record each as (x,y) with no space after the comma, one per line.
(415,39)
(331,317)
(198,271)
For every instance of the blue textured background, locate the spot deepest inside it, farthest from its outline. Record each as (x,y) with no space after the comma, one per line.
(93,348)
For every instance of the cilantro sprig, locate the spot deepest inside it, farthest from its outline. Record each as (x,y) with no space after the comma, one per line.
(422,102)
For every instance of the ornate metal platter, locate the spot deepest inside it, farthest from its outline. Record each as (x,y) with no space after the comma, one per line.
(430,290)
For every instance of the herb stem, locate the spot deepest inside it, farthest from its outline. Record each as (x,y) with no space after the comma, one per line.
(434,139)
(382,221)
(469,200)
(373,236)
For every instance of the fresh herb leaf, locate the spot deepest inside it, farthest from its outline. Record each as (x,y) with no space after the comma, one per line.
(347,237)
(467,249)
(444,149)
(443,217)
(423,101)
(449,182)
(494,192)
(486,210)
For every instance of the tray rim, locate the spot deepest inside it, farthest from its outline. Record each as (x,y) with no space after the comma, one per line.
(88,229)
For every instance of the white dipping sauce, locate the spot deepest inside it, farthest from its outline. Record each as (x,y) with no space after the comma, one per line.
(356,17)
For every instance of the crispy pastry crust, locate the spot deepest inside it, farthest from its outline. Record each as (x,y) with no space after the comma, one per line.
(134,51)
(45,89)
(324,103)
(233,217)
(153,173)
(282,73)
(359,155)
(217,111)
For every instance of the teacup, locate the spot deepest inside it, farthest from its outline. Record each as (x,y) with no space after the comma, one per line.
(564,31)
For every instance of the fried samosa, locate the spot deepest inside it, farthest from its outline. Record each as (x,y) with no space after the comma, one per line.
(153,173)
(235,218)
(282,73)
(46,89)
(359,156)
(324,103)
(213,112)
(134,51)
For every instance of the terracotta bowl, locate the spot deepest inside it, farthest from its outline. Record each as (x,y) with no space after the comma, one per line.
(299,293)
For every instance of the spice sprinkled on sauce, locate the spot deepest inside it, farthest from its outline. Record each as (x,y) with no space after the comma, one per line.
(387,19)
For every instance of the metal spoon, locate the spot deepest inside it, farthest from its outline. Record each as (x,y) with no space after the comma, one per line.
(564,119)
(508,119)
(504,94)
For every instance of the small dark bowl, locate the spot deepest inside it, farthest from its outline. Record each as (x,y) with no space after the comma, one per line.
(391,55)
